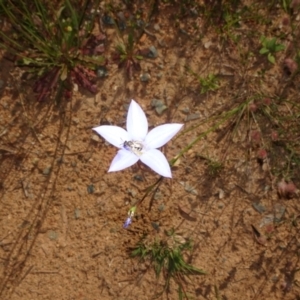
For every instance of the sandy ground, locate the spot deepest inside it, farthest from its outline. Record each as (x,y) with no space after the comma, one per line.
(61,213)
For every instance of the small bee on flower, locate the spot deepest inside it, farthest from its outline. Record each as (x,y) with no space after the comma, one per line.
(134,146)
(139,144)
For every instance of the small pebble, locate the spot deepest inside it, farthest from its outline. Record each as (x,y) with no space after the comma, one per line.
(159,106)
(220,205)
(145,77)
(259,207)
(53,235)
(47,171)
(107,20)
(90,189)
(138,178)
(186,110)
(95,138)
(101,72)
(156,27)
(279,212)
(152,52)
(192,117)
(77,213)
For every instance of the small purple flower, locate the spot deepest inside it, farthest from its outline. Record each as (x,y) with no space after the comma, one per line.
(127,222)
(130,216)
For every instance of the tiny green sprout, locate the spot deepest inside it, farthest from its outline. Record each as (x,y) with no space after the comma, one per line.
(166,257)
(270,47)
(209,83)
(56,49)
(214,168)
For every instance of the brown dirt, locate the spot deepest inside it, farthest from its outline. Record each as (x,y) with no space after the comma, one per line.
(58,241)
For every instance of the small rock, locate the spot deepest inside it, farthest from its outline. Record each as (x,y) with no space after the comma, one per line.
(53,235)
(95,138)
(75,120)
(159,75)
(155,226)
(186,110)
(47,171)
(266,220)
(159,105)
(107,20)
(161,207)
(140,23)
(279,212)
(77,213)
(189,188)
(259,207)
(35,161)
(220,205)
(157,195)
(156,27)
(145,77)
(138,178)
(191,117)
(101,72)
(221,193)
(90,189)
(152,52)
(207,44)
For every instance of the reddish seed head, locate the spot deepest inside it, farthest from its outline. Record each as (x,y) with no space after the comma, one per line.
(269,229)
(253,107)
(286,190)
(294,3)
(267,101)
(285,21)
(290,189)
(274,136)
(68,94)
(255,136)
(290,65)
(262,154)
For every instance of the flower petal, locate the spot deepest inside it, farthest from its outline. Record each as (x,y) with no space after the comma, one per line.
(160,135)
(122,160)
(127,222)
(113,134)
(156,160)
(137,124)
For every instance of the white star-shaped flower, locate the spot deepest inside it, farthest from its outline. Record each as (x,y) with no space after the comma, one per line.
(137,143)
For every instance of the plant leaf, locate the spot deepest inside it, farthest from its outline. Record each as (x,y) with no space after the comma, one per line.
(279,47)
(263,51)
(64,73)
(271,58)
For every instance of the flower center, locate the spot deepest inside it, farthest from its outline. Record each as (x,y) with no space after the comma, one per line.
(135,147)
